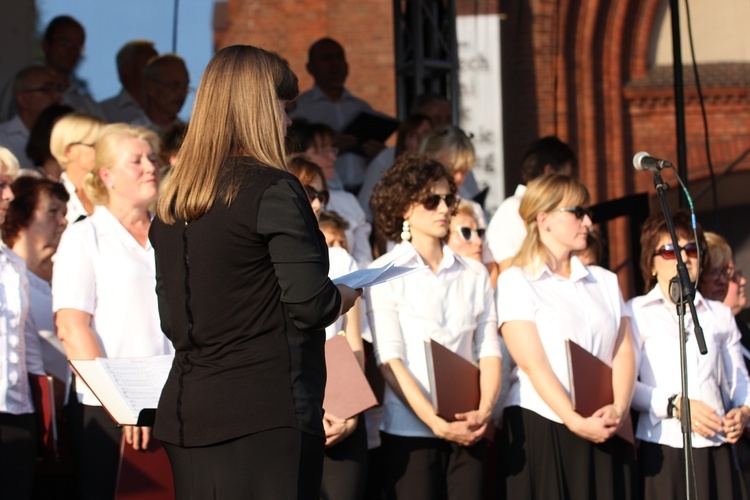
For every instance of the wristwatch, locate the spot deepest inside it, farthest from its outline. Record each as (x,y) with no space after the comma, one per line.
(671,408)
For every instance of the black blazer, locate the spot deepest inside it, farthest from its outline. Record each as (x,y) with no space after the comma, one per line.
(244,296)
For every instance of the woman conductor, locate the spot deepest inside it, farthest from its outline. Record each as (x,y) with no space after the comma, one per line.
(244,294)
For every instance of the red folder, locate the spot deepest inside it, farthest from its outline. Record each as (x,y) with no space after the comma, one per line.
(144,475)
(48,393)
(347,391)
(591,385)
(454,381)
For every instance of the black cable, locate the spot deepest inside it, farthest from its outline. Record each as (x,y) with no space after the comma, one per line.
(706,139)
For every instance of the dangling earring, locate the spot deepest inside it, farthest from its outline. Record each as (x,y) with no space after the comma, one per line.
(405,233)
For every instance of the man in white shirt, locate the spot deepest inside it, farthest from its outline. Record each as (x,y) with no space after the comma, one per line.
(62,46)
(506,231)
(330,103)
(131,64)
(166,84)
(34,89)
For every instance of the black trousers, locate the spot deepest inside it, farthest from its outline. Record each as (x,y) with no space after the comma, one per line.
(663,473)
(417,468)
(18,436)
(345,467)
(279,464)
(95,444)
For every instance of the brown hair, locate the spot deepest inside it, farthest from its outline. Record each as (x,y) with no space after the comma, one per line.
(27,191)
(236,113)
(405,183)
(333,220)
(652,231)
(305,170)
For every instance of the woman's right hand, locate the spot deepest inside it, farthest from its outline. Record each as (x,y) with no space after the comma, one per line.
(460,431)
(348,297)
(596,429)
(703,419)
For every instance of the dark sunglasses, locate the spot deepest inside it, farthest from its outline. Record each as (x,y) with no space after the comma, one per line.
(432,201)
(321,195)
(579,211)
(667,251)
(467,233)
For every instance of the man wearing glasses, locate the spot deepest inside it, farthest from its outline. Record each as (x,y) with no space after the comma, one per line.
(34,89)
(166,84)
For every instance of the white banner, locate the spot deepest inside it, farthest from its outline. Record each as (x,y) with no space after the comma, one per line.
(481,100)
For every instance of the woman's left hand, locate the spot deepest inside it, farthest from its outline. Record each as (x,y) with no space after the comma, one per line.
(137,437)
(475,418)
(612,411)
(337,429)
(734,423)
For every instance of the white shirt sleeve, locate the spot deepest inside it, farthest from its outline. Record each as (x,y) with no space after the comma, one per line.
(73,277)
(506,230)
(382,313)
(733,361)
(486,336)
(515,297)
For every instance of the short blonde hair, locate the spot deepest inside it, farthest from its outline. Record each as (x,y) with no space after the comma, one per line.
(719,251)
(71,129)
(544,194)
(9,162)
(109,151)
(451,146)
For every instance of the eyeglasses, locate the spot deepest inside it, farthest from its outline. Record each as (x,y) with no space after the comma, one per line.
(579,211)
(667,251)
(87,144)
(67,44)
(174,87)
(467,233)
(730,273)
(313,194)
(432,201)
(47,88)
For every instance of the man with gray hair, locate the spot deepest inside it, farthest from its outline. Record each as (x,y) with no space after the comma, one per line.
(34,89)
(132,60)
(166,84)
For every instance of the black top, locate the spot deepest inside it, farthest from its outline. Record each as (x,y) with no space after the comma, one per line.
(244,296)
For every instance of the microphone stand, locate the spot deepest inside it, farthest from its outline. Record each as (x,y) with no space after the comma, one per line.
(685,295)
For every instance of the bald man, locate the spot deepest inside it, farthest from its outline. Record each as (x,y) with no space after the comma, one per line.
(166,84)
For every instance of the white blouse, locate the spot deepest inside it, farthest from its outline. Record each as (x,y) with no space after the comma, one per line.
(42,323)
(586,308)
(102,270)
(75,205)
(341,263)
(718,378)
(19,351)
(454,307)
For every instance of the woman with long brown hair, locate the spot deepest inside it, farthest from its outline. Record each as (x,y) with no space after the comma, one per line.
(244,294)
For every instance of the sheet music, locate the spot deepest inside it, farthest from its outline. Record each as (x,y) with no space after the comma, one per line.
(362,278)
(138,381)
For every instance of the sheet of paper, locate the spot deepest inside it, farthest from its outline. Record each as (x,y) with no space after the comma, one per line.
(363,278)
(139,381)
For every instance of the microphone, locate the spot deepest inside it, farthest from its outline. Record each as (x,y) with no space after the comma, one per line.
(642,162)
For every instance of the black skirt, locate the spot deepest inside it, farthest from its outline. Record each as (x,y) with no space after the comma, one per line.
(663,473)
(543,460)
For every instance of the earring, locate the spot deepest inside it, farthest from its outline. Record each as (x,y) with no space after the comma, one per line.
(653,273)
(405,233)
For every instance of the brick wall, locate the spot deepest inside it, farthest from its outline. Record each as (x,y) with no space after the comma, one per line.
(289,27)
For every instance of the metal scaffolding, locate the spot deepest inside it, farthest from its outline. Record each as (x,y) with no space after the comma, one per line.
(426,51)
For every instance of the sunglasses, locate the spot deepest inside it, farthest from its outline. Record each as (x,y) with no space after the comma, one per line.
(467,233)
(730,273)
(313,194)
(579,211)
(432,201)
(668,252)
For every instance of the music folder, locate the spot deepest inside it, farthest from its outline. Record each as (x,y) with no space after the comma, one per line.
(347,391)
(454,381)
(144,474)
(370,125)
(48,393)
(591,385)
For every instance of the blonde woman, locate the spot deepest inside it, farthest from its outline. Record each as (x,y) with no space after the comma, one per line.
(20,354)
(244,294)
(72,144)
(103,284)
(547,450)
